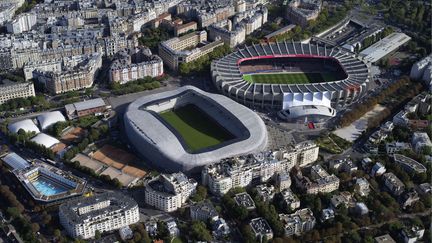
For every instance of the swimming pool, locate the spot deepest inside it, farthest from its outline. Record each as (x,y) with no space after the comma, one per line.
(47,188)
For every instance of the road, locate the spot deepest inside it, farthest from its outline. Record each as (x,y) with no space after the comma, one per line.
(29,115)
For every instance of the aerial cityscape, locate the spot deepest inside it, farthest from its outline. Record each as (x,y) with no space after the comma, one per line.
(151,121)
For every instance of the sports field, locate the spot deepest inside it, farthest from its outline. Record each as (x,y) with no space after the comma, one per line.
(197,129)
(289,78)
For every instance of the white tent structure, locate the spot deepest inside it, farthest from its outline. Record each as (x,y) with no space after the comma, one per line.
(45,140)
(50,118)
(27,125)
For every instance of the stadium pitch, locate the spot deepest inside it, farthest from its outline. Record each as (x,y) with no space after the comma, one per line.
(289,78)
(197,129)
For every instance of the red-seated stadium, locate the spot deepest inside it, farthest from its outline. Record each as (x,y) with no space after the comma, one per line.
(292,64)
(338,78)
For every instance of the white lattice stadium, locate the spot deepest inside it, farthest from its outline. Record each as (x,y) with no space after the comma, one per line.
(164,146)
(350,77)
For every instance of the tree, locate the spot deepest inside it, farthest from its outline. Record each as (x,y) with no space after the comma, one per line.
(35,227)
(98,235)
(137,237)
(145,237)
(200,194)
(57,233)
(199,231)
(248,235)
(162,230)
(46,218)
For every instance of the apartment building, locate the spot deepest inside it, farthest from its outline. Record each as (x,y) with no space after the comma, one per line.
(393,184)
(226,33)
(241,171)
(11,90)
(184,49)
(303,154)
(290,199)
(109,211)
(302,11)
(319,181)
(65,74)
(135,64)
(168,192)
(244,23)
(185,28)
(21,23)
(299,222)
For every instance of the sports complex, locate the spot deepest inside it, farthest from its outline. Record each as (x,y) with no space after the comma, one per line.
(44,183)
(186,128)
(297,80)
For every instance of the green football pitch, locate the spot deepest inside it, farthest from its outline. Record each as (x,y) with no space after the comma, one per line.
(197,129)
(289,78)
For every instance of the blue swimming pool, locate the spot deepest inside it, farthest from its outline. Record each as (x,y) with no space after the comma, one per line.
(47,188)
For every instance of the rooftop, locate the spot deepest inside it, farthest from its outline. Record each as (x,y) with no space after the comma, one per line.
(384,239)
(204,208)
(45,140)
(50,118)
(385,46)
(260,226)
(75,211)
(89,104)
(15,161)
(245,200)
(410,163)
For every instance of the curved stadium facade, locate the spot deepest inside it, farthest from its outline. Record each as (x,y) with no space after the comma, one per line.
(298,80)
(187,128)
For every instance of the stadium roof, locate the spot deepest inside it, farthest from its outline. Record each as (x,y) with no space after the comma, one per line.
(385,46)
(45,140)
(15,161)
(27,125)
(160,144)
(50,118)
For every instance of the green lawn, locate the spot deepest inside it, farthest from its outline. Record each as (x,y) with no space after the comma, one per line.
(197,129)
(289,78)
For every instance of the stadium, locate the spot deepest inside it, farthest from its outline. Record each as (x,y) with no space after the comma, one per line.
(298,80)
(187,128)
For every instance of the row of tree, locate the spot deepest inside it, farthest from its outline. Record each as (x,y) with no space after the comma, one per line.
(15,211)
(326,19)
(23,138)
(37,102)
(359,109)
(148,83)
(140,234)
(151,37)
(413,17)
(368,41)
(94,134)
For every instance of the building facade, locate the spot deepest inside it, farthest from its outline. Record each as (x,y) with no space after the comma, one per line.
(302,11)
(23,22)
(184,49)
(12,90)
(105,212)
(135,64)
(65,74)
(168,192)
(299,222)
